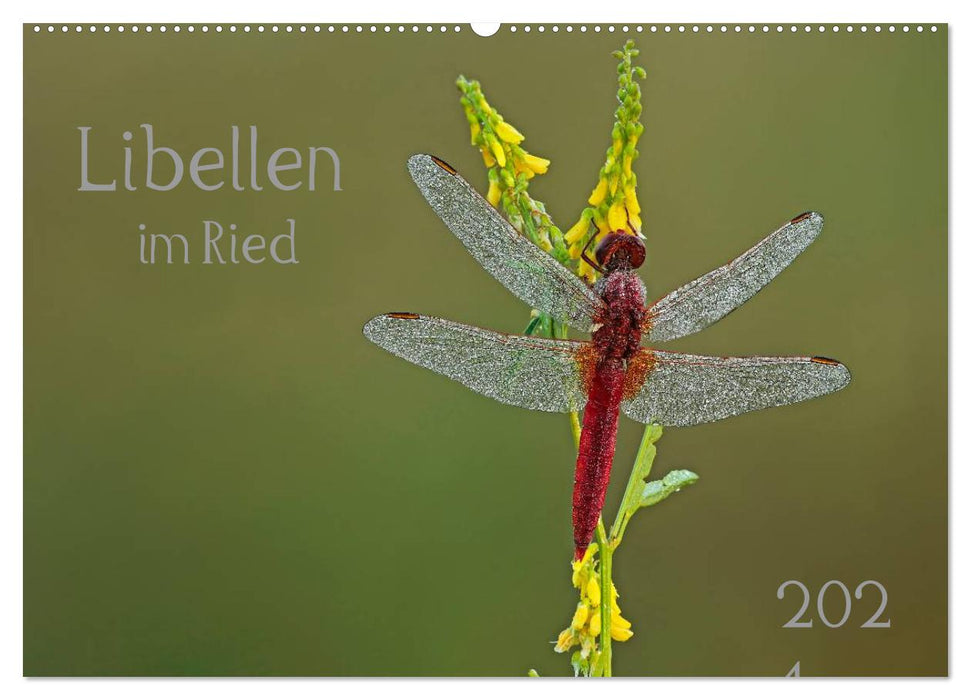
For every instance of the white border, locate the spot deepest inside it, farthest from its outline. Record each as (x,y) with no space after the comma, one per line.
(545,11)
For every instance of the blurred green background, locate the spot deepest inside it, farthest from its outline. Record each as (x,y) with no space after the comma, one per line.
(223,477)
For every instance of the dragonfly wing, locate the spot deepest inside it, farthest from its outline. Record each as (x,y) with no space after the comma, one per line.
(524,269)
(700,303)
(690,389)
(536,373)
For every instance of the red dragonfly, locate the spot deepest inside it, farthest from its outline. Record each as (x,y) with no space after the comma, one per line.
(612,371)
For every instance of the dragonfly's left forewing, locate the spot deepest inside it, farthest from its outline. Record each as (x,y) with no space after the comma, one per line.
(525,270)
(685,390)
(535,373)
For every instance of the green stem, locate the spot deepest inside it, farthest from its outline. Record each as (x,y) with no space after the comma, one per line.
(606,587)
(638,475)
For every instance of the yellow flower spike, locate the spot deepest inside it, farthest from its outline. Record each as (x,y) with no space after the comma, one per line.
(580,616)
(617,216)
(575,251)
(635,221)
(498,152)
(628,161)
(599,193)
(594,628)
(535,163)
(565,641)
(508,133)
(476,132)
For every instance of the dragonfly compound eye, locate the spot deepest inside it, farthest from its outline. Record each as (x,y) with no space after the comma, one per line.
(620,249)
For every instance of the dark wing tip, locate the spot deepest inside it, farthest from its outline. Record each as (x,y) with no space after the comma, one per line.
(374,328)
(839,372)
(814,217)
(421,161)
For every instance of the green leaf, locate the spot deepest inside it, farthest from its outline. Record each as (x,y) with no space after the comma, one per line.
(656,491)
(647,451)
(533,673)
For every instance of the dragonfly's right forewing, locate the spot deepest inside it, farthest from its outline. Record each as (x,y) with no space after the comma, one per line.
(535,373)
(524,269)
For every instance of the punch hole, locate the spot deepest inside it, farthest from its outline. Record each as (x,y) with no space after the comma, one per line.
(485,28)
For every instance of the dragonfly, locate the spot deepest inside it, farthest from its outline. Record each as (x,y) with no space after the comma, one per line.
(612,372)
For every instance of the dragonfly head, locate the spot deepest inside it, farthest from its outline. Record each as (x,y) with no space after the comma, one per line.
(620,250)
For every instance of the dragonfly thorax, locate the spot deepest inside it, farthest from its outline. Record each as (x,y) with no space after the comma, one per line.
(619,333)
(620,250)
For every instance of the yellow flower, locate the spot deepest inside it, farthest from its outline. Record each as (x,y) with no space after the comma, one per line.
(580,567)
(593,591)
(620,634)
(494,193)
(599,193)
(565,641)
(630,200)
(580,616)
(594,628)
(535,163)
(614,181)
(576,233)
(617,216)
(487,157)
(508,133)
(498,152)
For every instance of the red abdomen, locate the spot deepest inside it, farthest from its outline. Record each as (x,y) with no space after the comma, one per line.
(612,368)
(596,453)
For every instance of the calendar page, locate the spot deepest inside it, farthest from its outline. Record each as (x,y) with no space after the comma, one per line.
(425,350)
